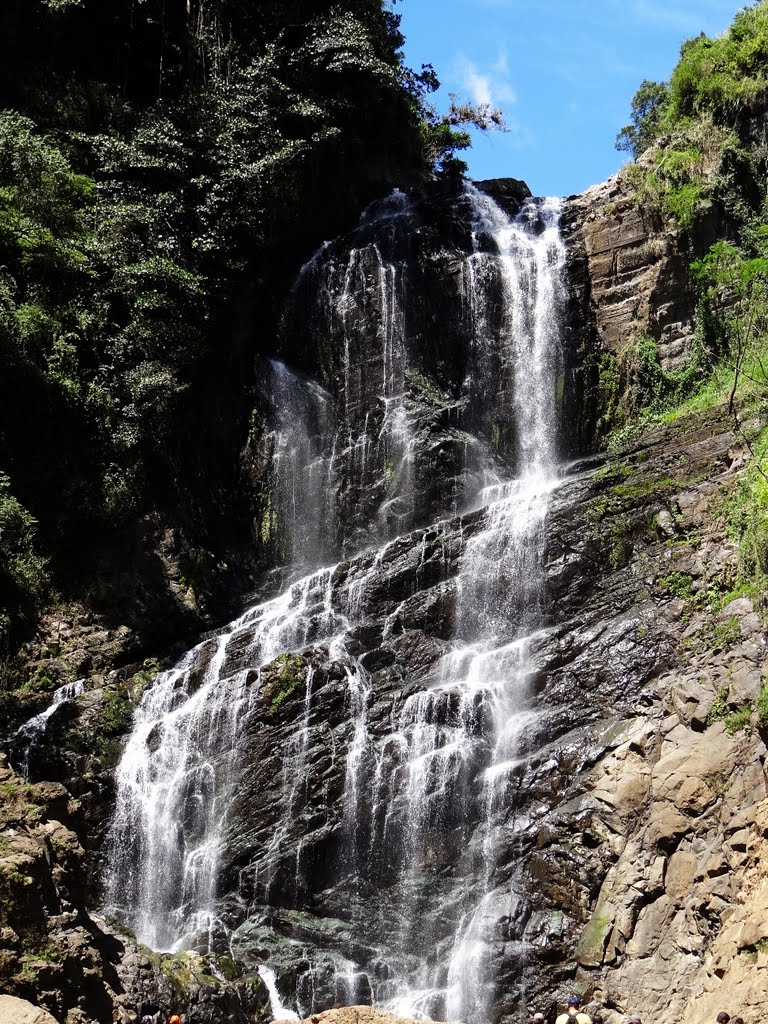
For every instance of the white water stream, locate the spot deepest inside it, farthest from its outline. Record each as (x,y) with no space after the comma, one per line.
(32,733)
(447,757)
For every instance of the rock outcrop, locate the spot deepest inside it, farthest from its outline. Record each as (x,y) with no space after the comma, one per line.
(19,1011)
(637,276)
(355,1015)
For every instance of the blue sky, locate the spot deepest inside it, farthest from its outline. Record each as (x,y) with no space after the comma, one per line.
(563,71)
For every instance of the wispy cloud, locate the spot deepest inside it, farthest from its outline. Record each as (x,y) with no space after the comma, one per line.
(487,85)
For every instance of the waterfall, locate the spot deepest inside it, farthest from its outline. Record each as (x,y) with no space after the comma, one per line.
(30,736)
(303,466)
(423,807)
(460,739)
(356,298)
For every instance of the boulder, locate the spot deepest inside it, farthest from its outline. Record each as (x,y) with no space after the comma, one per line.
(19,1011)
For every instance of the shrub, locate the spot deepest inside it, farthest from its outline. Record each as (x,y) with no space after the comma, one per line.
(762,704)
(23,571)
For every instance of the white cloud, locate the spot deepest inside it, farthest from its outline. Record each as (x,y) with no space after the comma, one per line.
(486,86)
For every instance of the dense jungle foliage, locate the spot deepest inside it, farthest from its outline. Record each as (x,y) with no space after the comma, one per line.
(700,142)
(165,167)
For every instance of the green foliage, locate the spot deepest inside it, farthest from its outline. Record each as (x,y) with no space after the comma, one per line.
(746,518)
(719,709)
(736,285)
(23,571)
(647,106)
(155,184)
(291,674)
(762,704)
(726,634)
(655,388)
(117,714)
(677,179)
(691,131)
(719,78)
(736,721)
(608,392)
(676,583)
(721,75)
(444,135)
(739,721)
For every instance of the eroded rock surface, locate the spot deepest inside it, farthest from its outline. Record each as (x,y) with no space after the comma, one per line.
(57,961)
(637,267)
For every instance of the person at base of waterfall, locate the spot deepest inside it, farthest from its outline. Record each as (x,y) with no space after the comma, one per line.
(174,1019)
(723,1017)
(538,1018)
(574,1015)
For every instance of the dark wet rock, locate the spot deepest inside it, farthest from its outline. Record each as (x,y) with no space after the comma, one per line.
(606,664)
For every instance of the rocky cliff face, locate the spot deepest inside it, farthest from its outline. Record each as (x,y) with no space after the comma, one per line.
(636,276)
(355,810)
(615,863)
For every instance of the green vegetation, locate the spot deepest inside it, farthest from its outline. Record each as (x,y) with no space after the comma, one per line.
(750,953)
(23,571)
(609,392)
(676,583)
(648,104)
(719,709)
(181,969)
(594,936)
(718,782)
(762,704)
(118,712)
(739,721)
(694,137)
(746,521)
(718,78)
(160,176)
(656,389)
(286,674)
(646,487)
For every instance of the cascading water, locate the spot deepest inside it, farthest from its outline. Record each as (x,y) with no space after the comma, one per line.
(29,737)
(357,298)
(303,467)
(424,801)
(460,739)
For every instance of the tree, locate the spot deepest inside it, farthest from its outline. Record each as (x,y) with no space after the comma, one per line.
(647,107)
(737,288)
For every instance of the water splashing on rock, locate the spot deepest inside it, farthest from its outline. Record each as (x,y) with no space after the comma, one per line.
(386,801)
